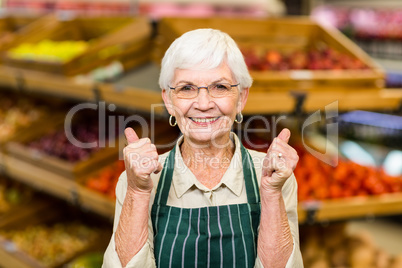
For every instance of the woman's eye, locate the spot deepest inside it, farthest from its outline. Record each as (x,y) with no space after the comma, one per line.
(221,87)
(186,88)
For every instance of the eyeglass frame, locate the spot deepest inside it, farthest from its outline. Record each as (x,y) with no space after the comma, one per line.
(206,87)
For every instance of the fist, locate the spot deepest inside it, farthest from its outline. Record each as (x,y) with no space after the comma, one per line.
(279,163)
(140,159)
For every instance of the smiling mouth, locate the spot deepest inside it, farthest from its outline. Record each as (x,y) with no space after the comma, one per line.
(204,120)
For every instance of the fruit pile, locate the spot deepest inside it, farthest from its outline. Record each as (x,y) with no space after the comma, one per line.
(48,50)
(318,180)
(15,114)
(52,245)
(105,181)
(258,59)
(332,246)
(57,143)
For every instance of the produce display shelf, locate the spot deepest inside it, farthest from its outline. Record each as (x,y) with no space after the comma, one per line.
(317,211)
(36,211)
(283,36)
(138,90)
(349,208)
(11,260)
(122,95)
(349,99)
(57,185)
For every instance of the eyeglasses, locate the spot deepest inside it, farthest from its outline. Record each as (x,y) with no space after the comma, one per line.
(216,90)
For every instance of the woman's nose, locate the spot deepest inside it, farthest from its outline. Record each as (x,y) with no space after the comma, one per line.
(203,98)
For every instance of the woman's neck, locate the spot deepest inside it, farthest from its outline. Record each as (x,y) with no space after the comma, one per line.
(208,162)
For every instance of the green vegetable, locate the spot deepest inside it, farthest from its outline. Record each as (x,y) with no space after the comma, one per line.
(89,260)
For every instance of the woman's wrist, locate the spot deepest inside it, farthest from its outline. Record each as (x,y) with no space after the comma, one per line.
(271,201)
(271,193)
(133,189)
(138,196)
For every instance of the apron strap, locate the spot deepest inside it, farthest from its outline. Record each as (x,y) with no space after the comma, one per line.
(162,192)
(165,181)
(250,178)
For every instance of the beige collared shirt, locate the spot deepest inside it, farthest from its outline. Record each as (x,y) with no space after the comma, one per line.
(187,192)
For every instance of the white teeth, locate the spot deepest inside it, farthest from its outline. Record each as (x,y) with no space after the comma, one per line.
(204,120)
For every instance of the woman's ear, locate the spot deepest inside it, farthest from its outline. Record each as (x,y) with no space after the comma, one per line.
(242,99)
(167,101)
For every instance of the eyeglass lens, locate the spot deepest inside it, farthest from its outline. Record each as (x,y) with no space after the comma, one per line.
(214,90)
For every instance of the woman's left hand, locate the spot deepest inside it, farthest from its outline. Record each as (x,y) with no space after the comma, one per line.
(279,163)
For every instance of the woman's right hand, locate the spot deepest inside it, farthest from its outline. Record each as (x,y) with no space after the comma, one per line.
(140,159)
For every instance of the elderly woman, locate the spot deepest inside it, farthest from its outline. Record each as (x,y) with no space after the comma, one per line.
(208,202)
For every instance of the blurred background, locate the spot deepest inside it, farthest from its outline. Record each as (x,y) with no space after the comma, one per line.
(330,70)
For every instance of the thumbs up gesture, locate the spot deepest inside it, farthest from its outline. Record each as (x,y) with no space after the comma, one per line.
(140,159)
(279,163)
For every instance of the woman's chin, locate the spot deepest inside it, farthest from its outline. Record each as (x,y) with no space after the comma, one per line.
(204,132)
(200,137)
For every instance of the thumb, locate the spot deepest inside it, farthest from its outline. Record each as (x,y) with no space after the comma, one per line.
(159,168)
(131,136)
(284,135)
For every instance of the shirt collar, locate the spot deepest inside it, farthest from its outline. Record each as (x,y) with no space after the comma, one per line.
(183,179)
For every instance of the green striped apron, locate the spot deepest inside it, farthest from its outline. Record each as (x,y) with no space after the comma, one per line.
(219,236)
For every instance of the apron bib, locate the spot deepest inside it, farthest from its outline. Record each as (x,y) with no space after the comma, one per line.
(218,236)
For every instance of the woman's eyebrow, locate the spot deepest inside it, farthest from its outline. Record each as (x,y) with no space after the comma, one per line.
(220,80)
(184,82)
(191,83)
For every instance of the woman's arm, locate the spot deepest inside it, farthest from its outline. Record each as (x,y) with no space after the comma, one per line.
(141,159)
(132,230)
(275,241)
(145,256)
(289,195)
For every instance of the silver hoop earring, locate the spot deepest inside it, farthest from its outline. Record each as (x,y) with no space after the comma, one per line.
(238,121)
(170,121)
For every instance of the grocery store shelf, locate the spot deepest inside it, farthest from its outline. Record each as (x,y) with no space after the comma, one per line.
(37,211)
(269,102)
(316,211)
(349,208)
(57,185)
(91,200)
(138,90)
(133,98)
(349,99)
(25,80)
(12,259)
(120,94)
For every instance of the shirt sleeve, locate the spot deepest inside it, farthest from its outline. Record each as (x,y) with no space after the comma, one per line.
(145,257)
(289,193)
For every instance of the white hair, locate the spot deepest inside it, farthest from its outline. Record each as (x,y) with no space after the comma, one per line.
(204,49)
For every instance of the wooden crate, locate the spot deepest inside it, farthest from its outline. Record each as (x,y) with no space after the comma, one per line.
(14,26)
(55,213)
(285,35)
(36,206)
(19,128)
(18,148)
(125,40)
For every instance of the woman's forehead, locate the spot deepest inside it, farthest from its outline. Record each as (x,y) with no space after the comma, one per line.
(220,73)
